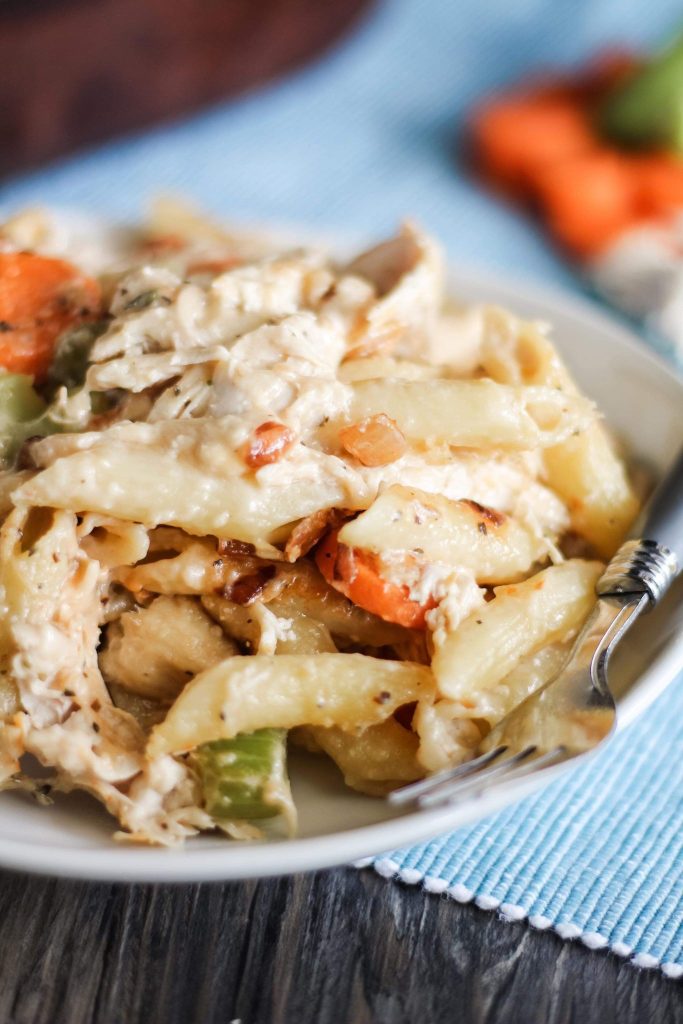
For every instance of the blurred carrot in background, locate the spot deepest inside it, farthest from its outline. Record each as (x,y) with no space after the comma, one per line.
(39,299)
(572,147)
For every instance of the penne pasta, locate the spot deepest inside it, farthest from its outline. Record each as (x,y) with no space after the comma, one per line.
(152,486)
(113,542)
(522,618)
(373,367)
(241,695)
(496,548)
(374,761)
(592,481)
(528,676)
(583,468)
(262,497)
(473,413)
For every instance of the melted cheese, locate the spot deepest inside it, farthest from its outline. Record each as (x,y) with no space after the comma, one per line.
(207,345)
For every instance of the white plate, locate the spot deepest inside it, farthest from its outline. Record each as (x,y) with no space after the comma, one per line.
(643,400)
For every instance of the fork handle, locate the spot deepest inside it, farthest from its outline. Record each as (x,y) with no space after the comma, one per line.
(664,512)
(650,563)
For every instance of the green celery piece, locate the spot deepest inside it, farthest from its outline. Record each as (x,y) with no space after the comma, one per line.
(245,778)
(21,410)
(18,399)
(24,414)
(71,356)
(648,109)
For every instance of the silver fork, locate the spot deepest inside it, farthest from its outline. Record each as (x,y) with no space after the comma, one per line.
(575,711)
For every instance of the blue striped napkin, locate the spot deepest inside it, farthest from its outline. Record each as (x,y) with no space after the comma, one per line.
(597,856)
(355,143)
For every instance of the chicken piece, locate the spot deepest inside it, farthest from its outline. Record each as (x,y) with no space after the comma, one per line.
(153,651)
(165,314)
(407,272)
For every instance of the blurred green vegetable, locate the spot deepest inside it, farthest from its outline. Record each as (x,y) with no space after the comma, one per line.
(246,777)
(18,398)
(71,356)
(21,412)
(647,111)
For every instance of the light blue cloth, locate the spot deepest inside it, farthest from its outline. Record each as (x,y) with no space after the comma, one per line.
(353,144)
(598,856)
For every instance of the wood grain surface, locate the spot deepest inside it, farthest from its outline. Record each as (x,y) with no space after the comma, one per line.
(330,948)
(73,72)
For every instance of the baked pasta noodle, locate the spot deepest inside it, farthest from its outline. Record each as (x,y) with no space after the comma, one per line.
(252,495)
(583,469)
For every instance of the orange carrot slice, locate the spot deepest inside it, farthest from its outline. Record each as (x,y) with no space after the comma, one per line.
(513,137)
(659,183)
(587,201)
(542,144)
(355,574)
(40,298)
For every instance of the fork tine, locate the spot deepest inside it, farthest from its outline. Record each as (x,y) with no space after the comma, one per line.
(510,769)
(415,790)
(476,778)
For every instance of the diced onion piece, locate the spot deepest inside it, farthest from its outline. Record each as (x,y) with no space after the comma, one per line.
(374,441)
(310,530)
(269,442)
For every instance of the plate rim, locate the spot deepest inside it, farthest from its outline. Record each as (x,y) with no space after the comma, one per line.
(238,861)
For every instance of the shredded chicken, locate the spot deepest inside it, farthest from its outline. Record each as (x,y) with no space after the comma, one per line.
(172,516)
(154,650)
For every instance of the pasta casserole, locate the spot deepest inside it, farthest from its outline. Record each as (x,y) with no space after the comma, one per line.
(254,497)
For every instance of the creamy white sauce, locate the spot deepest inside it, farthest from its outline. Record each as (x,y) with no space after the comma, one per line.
(200,360)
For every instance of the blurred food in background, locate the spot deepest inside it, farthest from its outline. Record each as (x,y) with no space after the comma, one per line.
(598,156)
(74,72)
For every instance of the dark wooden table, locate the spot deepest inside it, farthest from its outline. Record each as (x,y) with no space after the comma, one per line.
(340,946)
